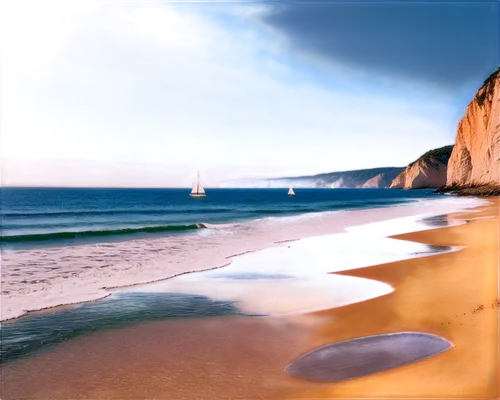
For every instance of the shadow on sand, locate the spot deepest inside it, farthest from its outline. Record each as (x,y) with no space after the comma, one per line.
(367,355)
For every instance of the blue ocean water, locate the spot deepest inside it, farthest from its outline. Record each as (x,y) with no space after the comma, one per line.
(32,217)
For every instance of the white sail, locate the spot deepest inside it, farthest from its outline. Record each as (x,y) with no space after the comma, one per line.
(198,190)
(195,188)
(290,191)
(201,189)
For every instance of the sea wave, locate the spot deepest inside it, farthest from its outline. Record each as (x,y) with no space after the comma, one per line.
(287,209)
(107,212)
(39,278)
(94,233)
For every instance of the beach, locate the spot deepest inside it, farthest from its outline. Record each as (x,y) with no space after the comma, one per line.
(450,293)
(453,295)
(40,278)
(207,200)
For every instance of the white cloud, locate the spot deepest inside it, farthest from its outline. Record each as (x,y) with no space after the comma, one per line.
(119,120)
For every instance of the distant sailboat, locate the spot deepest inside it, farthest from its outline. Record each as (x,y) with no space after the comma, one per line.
(198,190)
(290,191)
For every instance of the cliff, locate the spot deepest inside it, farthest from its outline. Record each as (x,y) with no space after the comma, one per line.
(429,171)
(475,160)
(379,181)
(373,178)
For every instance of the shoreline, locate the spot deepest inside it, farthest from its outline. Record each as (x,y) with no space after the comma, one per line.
(453,295)
(309,226)
(431,295)
(391,288)
(471,190)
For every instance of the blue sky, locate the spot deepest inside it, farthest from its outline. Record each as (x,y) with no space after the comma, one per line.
(145,93)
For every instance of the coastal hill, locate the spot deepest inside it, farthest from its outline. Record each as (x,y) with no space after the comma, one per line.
(366,178)
(428,171)
(379,181)
(474,165)
(471,166)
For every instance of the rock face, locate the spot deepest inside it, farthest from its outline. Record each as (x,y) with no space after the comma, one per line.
(483,190)
(475,160)
(379,181)
(429,171)
(399,181)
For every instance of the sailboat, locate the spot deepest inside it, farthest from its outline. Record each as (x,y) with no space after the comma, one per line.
(290,191)
(198,190)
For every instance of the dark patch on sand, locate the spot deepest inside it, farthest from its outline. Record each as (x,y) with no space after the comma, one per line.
(429,249)
(433,249)
(439,248)
(252,276)
(439,221)
(436,221)
(367,355)
(478,309)
(38,330)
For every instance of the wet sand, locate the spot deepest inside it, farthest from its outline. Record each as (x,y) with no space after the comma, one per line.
(441,295)
(242,357)
(216,358)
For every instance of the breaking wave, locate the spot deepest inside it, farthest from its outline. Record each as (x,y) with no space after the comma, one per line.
(94,233)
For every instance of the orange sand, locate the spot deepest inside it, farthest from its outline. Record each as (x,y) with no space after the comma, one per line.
(435,295)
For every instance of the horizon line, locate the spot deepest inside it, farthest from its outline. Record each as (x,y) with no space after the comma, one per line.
(162,188)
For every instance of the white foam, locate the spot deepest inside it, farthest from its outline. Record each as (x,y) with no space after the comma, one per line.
(219,226)
(42,278)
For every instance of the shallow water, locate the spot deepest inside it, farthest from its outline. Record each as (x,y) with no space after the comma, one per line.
(367,355)
(215,357)
(39,330)
(298,274)
(292,278)
(33,279)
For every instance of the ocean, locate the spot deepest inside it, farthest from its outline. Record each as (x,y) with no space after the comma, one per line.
(62,246)
(223,254)
(40,217)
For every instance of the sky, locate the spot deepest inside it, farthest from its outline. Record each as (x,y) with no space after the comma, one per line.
(144,94)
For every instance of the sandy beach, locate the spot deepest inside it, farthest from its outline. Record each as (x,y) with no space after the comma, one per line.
(41,278)
(274,200)
(452,295)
